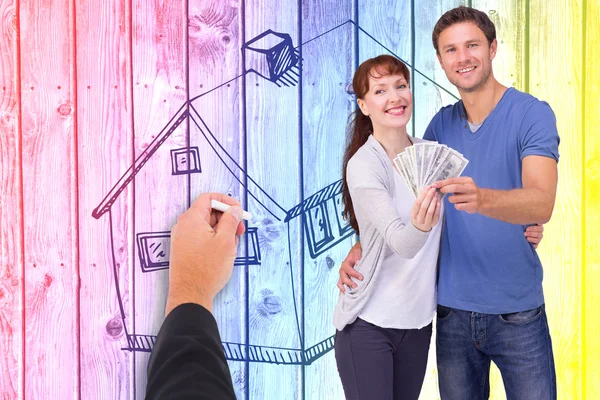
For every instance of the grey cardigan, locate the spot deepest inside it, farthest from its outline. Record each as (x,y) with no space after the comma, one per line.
(370,177)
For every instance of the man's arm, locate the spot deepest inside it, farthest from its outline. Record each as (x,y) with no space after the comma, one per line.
(187,361)
(530,205)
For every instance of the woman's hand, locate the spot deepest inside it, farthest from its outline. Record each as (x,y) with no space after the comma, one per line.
(425,212)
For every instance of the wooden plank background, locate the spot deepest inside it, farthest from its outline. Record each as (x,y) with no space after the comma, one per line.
(50,201)
(324,82)
(590,115)
(105,133)
(215,36)
(11,213)
(87,88)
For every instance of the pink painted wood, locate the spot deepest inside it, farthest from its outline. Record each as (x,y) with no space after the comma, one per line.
(11,217)
(49,157)
(159,61)
(214,43)
(105,134)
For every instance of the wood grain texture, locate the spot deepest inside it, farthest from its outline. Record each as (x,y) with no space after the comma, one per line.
(510,19)
(214,42)
(273,155)
(591,202)
(11,217)
(159,91)
(49,159)
(389,22)
(561,250)
(328,69)
(431,89)
(105,115)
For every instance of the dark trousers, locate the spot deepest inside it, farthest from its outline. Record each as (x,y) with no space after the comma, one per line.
(381,363)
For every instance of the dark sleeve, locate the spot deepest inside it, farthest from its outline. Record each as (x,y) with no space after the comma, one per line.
(187,361)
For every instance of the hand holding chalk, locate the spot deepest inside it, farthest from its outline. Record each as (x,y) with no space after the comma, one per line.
(217,205)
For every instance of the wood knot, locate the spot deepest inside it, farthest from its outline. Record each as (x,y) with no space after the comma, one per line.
(269,303)
(349,89)
(47,281)
(65,109)
(269,230)
(6,119)
(114,327)
(329,261)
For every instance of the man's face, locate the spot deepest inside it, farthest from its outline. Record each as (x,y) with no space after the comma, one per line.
(465,56)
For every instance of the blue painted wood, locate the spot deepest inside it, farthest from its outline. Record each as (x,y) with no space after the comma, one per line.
(328,59)
(215,37)
(271,105)
(385,28)
(431,88)
(159,92)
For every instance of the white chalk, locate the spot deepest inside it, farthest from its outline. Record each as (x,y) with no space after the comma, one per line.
(217,205)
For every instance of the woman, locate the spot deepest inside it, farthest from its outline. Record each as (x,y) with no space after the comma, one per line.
(384,324)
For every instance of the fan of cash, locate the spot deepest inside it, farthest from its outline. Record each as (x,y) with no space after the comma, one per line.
(425,163)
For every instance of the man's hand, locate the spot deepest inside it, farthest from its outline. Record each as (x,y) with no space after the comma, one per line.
(203,249)
(534,234)
(347,268)
(466,196)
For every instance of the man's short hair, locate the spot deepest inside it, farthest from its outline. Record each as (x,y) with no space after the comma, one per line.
(464,14)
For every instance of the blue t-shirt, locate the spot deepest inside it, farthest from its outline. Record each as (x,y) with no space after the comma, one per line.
(487,265)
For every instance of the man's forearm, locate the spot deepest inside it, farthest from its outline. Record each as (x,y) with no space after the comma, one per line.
(517,206)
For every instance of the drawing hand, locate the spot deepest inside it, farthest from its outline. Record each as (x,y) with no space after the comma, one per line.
(203,249)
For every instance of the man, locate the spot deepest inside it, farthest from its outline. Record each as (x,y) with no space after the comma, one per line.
(187,361)
(490,298)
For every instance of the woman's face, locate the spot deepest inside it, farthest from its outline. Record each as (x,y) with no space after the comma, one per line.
(388,102)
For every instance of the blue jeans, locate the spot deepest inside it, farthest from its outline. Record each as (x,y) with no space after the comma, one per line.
(518,343)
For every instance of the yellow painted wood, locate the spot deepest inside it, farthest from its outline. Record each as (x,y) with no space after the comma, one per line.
(591,197)
(555,71)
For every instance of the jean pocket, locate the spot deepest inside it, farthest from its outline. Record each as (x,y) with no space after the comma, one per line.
(522,317)
(443,312)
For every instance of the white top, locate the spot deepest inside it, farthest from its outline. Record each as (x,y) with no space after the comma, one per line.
(399,262)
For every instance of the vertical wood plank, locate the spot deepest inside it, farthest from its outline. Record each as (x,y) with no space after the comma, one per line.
(11,213)
(159,42)
(386,27)
(273,154)
(510,19)
(104,112)
(561,250)
(328,67)
(591,197)
(49,154)
(215,41)
(431,89)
